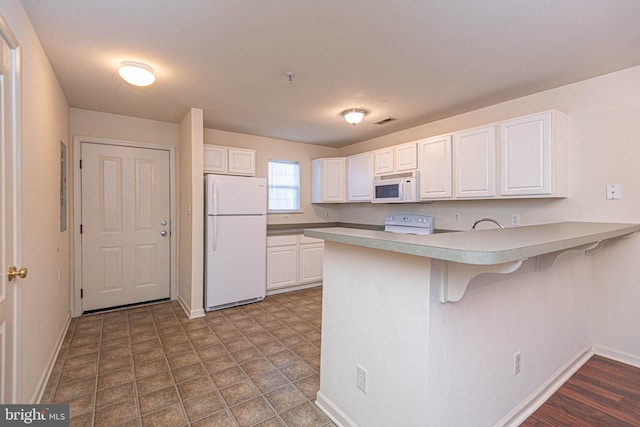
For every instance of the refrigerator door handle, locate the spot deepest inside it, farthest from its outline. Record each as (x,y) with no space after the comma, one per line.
(214,232)
(215,198)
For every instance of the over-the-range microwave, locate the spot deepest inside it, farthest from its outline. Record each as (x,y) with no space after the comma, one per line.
(396,188)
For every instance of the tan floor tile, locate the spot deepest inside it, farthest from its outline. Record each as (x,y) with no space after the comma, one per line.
(171,416)
(272,422)
(115,378)
(304,415)
(309,386)
(113,395)
(68,391)
(75,362)
(246,354)
(220,363)
(211,352)
(154,367)
(258,366)
(183,359)
(80,405)
(283,358)
(282,332)
(148,355)
(115,353)
(108,365)
(199,333)
(158,399)
(115,333)
(189,372)
(238,344)
(196,387)
(293,340)
(85,420)
(306,349)
(285,398)
(206,341)
(144,333)
(221,419)
(270,347)
(115,343)
(146,345)
(252,412)
(228,376)
(81,372)
(203,406)
(123,412)
(297,370)
(153,383)
(239,392)
(267,381)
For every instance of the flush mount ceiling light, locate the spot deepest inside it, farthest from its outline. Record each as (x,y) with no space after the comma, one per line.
(137,73)
(354,116)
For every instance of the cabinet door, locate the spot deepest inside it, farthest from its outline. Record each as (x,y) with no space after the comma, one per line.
(435,167)
(475,162)
(383,161)
(214,159)
(311,256)
(406,157)
(282,264)
(333,180)
(359,177)
(526,155)
(242,162)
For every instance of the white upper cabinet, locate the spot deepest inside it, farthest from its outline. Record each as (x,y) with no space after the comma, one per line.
(328,180)
(214,159)
(434,156)
(475,162)
(242,162)
(383,161)
(360,177)
(396,159)
(406,157)
(534,155)
(228,160)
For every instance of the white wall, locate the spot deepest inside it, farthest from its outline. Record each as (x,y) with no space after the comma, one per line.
(280,149)
(44,304)
(604,124)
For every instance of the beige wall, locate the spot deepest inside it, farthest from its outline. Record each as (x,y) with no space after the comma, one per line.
(280,149)
(191,215)
(44,302)
(604,124)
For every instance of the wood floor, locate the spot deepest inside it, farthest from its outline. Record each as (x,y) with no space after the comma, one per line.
(603,392)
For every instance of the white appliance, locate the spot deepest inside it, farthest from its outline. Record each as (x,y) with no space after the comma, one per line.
(236,240)
(397,188)
(409,224)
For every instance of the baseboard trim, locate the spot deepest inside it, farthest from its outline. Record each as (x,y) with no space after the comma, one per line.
(618,356)
(331,410)
(44,378)
(191,314)
(524,410)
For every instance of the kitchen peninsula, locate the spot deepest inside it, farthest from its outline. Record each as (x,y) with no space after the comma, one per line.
(434,323)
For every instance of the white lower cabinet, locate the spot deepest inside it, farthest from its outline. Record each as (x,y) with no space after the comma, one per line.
(293,261)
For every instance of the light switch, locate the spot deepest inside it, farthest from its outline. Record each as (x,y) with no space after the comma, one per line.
(614,192)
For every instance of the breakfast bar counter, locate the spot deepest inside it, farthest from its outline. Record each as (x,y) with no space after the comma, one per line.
(423,330)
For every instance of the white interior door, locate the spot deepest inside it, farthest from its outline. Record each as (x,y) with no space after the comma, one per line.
(9,218)
(126,225)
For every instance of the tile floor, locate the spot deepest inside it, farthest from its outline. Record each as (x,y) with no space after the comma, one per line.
(254,365)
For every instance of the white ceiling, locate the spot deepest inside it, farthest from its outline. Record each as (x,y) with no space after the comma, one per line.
(416,60)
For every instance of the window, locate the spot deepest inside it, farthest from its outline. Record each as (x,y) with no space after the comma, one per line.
(284,186)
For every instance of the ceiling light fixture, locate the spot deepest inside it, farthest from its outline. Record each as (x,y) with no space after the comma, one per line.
(353,116)
(137,73)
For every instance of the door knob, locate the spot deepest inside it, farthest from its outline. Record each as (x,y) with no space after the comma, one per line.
(163,233)
(14,272)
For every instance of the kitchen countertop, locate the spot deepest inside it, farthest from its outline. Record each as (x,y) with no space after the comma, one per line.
(481,247)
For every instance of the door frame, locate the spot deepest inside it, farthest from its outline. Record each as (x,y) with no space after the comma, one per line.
(76,259)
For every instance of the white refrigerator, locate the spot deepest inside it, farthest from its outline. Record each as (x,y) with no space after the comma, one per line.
(235,240)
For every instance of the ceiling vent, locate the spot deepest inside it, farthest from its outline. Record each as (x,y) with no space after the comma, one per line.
(385,121)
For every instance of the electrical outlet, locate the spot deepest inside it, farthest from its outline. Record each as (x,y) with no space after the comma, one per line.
(326,214)
(516,363)
(456,217)
(361,378)
(614,192)
(515,219)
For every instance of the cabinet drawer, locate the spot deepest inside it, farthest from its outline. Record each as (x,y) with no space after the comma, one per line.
(305,240)
(282,240)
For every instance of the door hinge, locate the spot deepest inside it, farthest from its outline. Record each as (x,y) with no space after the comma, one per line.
(80,163)
(81,293)
(80,228)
